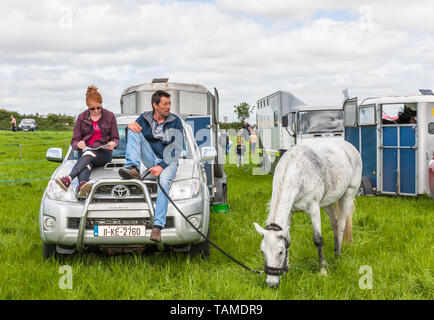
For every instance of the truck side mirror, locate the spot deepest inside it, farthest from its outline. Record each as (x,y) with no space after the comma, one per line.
(208,154)
(54,154)
(285,121)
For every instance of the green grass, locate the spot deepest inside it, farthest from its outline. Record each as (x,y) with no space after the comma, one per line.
(391,235)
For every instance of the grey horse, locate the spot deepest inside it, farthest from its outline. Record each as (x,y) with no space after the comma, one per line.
(307,178)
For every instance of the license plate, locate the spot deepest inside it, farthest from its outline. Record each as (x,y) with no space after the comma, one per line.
(25,129)
(119,231)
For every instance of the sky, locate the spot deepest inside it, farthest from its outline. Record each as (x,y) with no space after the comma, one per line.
(51,50)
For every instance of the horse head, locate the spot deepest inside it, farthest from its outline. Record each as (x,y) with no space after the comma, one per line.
(274,246)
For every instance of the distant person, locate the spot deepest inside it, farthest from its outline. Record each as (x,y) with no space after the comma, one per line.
(247,130)
(228,148)
(14,123)
(240,152)
(224,141)
(253,139)
(95,127)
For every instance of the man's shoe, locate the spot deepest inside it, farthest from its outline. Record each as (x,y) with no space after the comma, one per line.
(130,173)
(64,182)
(83,189)
(155,235)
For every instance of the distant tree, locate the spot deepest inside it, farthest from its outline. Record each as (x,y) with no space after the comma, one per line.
(243,111)
(225,119)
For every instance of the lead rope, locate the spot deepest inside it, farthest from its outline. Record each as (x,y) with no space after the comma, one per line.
(205,237)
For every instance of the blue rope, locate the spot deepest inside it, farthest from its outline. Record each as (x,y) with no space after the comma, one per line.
(21,162)
(33,144)
(6,181)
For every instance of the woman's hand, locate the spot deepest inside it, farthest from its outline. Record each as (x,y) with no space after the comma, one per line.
(111,145)
(81,145)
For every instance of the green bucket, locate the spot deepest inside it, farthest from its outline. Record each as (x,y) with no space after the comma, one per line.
(220,208)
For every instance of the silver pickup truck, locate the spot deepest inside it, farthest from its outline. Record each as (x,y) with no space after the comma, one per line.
(117,215)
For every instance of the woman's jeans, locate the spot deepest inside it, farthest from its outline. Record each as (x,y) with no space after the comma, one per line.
(139,150)
(87,160)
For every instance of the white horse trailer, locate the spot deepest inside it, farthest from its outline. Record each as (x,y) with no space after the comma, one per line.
(395,137)
(200,109)
(284,121)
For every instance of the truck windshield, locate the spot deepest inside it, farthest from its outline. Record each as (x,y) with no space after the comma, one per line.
(119,152)
(321,121)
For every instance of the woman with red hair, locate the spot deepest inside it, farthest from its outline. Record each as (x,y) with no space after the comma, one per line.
(94,128)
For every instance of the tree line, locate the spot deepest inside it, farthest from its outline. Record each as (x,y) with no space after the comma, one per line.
(61,122)
(51,121)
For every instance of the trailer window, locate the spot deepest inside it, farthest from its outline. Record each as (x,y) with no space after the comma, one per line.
(367,115)
(129,103)
(401,113)
(193,103)
(431,128)
(321,121)
(351,114)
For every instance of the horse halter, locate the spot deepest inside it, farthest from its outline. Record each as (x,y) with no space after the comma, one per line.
(271,271)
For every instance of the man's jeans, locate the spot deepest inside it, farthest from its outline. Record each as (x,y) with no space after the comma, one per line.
(139,150)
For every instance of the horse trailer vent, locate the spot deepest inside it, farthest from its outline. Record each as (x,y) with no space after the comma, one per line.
(160,80)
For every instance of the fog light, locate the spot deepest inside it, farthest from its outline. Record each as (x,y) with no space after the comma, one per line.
(49,223)
(195,221)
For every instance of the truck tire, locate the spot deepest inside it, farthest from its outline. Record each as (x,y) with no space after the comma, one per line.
(49,250)
(202,248)
(219,170)
(221,191)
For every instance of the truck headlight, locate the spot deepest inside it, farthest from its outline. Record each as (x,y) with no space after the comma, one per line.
(184,189)
(54,192)
(195,221)
(49,223)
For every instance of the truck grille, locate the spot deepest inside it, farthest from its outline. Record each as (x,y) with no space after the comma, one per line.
(105,194)
(73,223)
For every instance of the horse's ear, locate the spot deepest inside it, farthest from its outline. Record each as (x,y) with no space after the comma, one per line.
(259,229)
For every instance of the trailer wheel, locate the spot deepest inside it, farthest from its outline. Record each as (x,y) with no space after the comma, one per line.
(366,187)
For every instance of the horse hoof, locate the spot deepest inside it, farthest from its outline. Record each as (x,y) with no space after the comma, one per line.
(323,271)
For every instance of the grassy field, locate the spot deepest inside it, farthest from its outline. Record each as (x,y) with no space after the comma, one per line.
(392,236)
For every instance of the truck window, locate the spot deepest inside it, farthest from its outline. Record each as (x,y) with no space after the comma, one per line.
(321,121)
(401,113)
(367,115)
(119,152)
(351,114)
(129,103)
(193,103)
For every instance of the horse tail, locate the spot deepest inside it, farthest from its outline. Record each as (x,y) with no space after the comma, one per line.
(348,234)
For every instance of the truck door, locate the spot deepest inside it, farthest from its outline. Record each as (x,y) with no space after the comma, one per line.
(350,122)
(202,130)
(398,158)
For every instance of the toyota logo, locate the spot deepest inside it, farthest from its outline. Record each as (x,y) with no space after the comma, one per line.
(120,191)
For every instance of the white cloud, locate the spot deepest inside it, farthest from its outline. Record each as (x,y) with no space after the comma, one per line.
(51,51)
